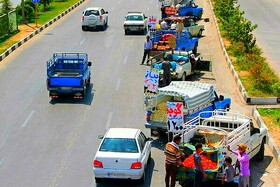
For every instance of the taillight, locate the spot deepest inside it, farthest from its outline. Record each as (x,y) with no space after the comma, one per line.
(97,164)
(83,18)
(100,17)
(147,117)
(136,165)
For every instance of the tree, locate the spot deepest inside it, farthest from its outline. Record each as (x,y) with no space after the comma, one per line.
(45,3)
(6,6)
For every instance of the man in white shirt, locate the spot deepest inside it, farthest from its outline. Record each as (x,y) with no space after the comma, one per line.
(148,45)
(163,25)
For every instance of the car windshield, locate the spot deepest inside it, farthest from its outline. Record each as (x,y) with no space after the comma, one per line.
(123,145)
(134,18)
(92,12)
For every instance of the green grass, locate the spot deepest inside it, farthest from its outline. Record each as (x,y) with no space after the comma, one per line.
(51,12)
(272,113)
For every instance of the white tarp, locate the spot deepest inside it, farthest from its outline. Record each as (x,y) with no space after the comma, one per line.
(195,94)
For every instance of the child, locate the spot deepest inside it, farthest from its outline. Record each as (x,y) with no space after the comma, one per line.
(229,173)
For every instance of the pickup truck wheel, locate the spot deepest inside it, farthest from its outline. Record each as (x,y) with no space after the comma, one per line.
(260,154)
(199,15)
(195,49)
(199,33)
(84,28)
(184,76)
(98,180)
(126,32)
(143,31)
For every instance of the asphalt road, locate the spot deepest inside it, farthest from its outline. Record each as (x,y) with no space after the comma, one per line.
(265,13)
(45,142)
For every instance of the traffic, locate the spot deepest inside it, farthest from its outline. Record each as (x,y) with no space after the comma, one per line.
(53,139)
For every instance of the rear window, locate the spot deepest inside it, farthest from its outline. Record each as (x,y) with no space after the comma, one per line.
(134,18)
(123,145)
(92,12)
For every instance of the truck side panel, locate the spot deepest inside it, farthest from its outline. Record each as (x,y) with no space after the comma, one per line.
(65,81)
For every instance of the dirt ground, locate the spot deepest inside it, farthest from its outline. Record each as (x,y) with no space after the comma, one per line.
(25,30)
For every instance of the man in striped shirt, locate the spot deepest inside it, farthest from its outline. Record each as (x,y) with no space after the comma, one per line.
(172,160)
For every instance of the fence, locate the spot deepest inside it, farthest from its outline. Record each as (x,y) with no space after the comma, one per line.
(8,23)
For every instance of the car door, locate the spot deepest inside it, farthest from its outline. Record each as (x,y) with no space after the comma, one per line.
(145,148)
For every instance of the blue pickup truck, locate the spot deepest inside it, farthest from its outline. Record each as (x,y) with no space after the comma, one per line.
(183,43)
(68,73)
(190,9)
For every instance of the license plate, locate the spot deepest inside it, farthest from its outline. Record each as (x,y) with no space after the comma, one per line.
(115,174)
(65,88)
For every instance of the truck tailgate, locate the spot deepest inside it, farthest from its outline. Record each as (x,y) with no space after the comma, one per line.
(64,81)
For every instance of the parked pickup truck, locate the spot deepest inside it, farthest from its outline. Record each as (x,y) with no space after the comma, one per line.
(190,9)
(189,23)
(185,42)
(216,133)
(196,97)
(183,64)
(68,73)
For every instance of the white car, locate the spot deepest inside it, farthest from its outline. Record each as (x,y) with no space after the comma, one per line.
(135,22)
(124,153)
(94,17)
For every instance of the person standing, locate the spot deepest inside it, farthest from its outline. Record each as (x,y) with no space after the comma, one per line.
(173,25)
(180,27)
(163,24)
(244,160)
(199,171)
(148,45)
(229,173)
(166,65)
(172,160)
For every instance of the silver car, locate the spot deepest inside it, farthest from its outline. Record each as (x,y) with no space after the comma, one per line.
(124,153)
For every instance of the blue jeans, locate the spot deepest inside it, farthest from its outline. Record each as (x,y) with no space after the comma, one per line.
(198,179)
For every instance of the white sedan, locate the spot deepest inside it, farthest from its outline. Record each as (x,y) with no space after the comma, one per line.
(124,153)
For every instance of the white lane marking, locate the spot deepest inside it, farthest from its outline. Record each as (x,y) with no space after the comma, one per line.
(109,120)
(82,41)
(28,118)
(118,85)
(125,59)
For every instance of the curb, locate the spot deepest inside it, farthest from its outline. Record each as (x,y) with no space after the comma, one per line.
(269,140)
(15,46)
(247,99)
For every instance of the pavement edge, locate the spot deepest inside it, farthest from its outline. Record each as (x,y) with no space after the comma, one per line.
(247,99)
(269,140)
(18,44)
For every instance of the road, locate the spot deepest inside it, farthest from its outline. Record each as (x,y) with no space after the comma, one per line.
(52,143)
(265,13)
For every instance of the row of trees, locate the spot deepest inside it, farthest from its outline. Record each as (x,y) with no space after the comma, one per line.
(26,10)
(248,57)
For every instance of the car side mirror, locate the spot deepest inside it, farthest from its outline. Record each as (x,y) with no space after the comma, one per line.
(100,137)
(89,63)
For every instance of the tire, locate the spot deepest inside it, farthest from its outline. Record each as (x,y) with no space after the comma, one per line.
(104,27)
(184,76)
(143,31)
(195,49)
(227,108)
(199,33)
(150,158)
(199,15)
(88,82)
(98,180)
(260,154)
(143,178)
(126,32)
(84,28)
